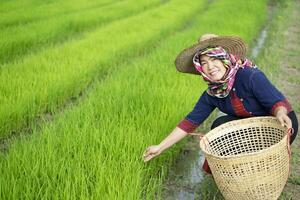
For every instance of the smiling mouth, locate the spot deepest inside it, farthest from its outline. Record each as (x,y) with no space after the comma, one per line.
(214,72)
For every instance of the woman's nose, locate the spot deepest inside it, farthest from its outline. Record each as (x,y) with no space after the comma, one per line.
(209,65)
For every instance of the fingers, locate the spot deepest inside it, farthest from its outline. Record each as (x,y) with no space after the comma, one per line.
(148,157)
(149,153)
(285,121)
(146,152)
(281,121)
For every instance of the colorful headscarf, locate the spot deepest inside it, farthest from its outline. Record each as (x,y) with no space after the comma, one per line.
(222,87)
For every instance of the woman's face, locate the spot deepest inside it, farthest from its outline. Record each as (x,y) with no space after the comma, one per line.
(213,68)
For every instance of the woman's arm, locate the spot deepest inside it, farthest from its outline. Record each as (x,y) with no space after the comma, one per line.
(200,112)
(175,136)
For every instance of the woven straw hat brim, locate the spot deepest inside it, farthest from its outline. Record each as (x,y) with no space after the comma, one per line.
(232,44)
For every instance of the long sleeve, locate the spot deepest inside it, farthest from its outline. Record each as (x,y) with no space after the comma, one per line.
(200,112)
(266,93)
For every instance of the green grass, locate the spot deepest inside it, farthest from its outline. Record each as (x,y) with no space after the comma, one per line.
(43,82)
(15,13)
(93,150)
(18,41)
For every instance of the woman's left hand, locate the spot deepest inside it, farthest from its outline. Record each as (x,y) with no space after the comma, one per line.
(281,115)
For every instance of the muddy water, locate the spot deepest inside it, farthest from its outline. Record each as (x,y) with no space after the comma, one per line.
(186,175)
(259,44)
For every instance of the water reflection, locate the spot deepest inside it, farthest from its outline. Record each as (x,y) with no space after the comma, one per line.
(186,175)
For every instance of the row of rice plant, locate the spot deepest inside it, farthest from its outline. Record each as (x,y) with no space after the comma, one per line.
(18,41)
(14,13)
(94,149)
(42,82)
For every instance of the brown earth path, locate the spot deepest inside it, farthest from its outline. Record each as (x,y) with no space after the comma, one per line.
(288,80)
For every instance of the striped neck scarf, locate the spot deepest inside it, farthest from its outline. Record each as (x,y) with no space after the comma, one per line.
(222,87)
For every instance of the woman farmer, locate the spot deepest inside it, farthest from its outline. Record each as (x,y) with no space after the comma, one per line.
(235,86)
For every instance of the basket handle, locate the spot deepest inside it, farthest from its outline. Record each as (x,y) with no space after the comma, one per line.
(290,132)
(201,137)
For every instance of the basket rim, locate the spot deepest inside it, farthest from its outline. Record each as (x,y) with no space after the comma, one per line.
(241,155)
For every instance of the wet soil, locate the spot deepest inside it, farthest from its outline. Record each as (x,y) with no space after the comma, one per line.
(185,177)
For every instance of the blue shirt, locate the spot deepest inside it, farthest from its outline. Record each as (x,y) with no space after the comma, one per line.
(252,95)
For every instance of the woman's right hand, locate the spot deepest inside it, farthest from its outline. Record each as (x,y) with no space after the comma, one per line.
(151,152)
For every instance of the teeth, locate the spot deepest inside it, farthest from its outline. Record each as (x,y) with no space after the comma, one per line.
(213,73)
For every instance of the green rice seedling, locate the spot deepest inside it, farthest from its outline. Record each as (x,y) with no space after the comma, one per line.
(6,6)
(14,13)
(43,82)
(17,41)
(93,150)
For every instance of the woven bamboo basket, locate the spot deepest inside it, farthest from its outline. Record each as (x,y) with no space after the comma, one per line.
(249,158)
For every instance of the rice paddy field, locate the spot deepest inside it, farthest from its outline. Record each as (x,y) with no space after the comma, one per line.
(86,86)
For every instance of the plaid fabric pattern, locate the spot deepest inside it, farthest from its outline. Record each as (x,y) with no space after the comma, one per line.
(221,88)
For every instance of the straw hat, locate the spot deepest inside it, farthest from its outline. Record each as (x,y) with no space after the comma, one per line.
(232,44)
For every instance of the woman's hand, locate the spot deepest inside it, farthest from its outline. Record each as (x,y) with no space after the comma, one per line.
(281,115)
(176,135)
(151,152)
